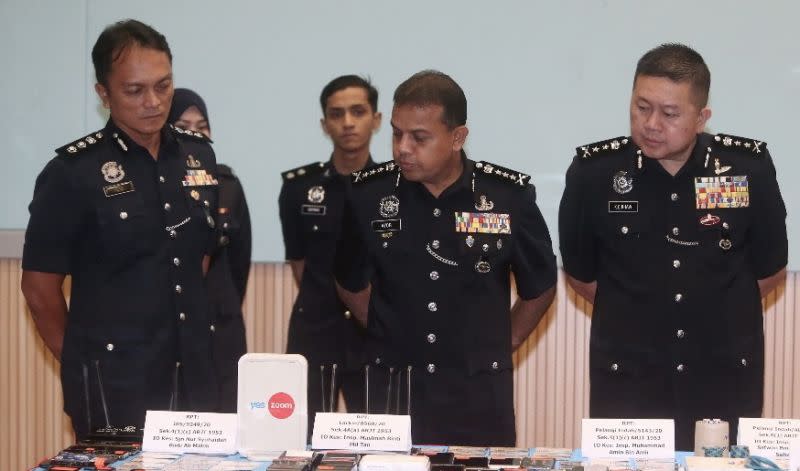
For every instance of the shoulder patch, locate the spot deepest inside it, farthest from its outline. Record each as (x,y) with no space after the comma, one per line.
(601,147)
(374,171)
(730,142)
(508,175)
(303,171)
(81,144)
(193,134)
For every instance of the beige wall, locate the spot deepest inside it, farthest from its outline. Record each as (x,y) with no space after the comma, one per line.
(551,392)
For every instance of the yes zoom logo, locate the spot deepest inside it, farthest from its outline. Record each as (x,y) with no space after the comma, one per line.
(280,405)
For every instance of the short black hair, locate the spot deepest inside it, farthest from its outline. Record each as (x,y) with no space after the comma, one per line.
(431,87)
(679,63)
(116,38)
(347,81)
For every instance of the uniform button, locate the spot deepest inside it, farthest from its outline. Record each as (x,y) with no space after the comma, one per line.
(431,368)
(437,212)
(176,261)
(673,197)
(173,234)
(435,244)
(315,228)
(680,368)
(385,244)
(495,365)
(676,263)
(432,307)
(110,347)
(676,231)
(123,215)
(624,229)
(162,179)
(725,225)
(178,289)
(206,203)
(744,362)
(434,275)
(431,338)
(225,225)
(212,328)
(347,315)
(167,206)
(614,367)
(378,360)
(678,297)
(182,316)
(680,333)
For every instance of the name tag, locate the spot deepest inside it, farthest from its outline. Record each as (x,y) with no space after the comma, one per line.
(483,223)
(313,209)
(722,192)
(623,206)
(387,225)
(118,189)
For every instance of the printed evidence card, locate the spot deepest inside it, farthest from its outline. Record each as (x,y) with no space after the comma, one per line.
(190,432)
(628,438)
(768,437)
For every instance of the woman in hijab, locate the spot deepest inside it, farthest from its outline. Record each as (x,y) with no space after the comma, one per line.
(226,280)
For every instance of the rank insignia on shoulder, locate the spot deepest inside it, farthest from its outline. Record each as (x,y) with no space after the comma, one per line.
(81,144)
(306,170)
(607,146)
(503,173)
(370,172)
(186,132)
(728,142)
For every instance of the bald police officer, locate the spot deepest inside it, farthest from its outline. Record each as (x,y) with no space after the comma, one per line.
(426,255)
(675,235)
(127,212)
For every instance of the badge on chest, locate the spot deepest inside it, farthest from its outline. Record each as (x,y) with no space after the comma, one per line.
(722,192)
(483,223)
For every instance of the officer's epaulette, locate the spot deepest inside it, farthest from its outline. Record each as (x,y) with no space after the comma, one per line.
(508,175)
(81,144)
(369,173)
(728,142)
(188,133)
(601,147)
(303,171)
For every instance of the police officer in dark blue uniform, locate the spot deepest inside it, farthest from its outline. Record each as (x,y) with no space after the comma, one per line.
(426,256)
(127,211)
(229,269)
(311,202)
(675,235)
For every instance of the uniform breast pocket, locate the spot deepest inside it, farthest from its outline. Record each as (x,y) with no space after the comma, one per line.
(484,251)
(317,226)
(126,228)
(201,202)
(722,235)
(628,242)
